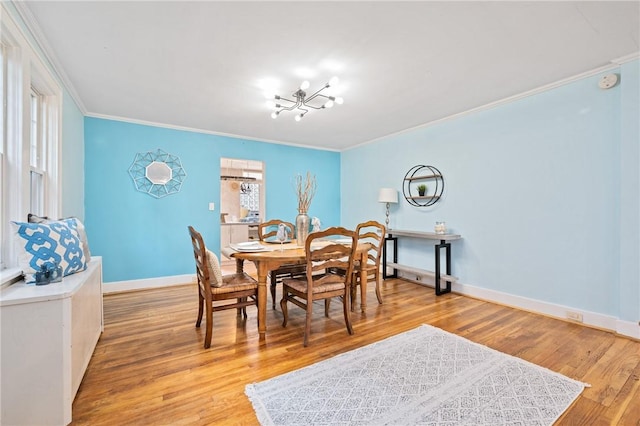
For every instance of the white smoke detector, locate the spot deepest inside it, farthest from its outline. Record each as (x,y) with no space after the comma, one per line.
(608,81)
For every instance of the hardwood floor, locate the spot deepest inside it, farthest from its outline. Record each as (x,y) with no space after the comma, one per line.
(150,368)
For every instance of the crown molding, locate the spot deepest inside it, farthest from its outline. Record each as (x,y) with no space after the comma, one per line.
(626,58)
(44,48)
(206,132)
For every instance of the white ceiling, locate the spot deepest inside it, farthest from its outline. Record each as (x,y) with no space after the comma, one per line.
(200,65)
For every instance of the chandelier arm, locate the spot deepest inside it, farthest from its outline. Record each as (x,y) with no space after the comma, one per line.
(317,93)
(289,108)
(311,106)
(296,104)
(285,99)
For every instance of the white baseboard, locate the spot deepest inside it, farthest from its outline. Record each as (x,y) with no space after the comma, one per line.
(628,328)
(592,319)
(147,283)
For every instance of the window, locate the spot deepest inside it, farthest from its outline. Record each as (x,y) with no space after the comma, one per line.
(30,128)
(250,196)
(250,192)
(37,156)
(3,119)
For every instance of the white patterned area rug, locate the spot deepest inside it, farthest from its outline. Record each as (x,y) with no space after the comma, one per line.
(425,376)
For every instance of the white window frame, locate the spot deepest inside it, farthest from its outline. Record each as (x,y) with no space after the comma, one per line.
(26,72)
(3,145)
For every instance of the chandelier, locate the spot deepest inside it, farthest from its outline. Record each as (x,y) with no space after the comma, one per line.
(302,102)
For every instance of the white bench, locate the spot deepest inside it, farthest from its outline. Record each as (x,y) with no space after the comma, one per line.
(48,336)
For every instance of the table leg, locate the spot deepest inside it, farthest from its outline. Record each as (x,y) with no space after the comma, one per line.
(263,272)
(385,259)
(447,248)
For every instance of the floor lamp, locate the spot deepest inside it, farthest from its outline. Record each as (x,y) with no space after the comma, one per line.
(388,195)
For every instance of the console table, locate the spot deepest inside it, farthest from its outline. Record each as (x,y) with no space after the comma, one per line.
(393,235)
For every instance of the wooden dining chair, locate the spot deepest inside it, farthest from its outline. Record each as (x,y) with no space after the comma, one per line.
(373,233)
(239,288)
(323,255)
(268,230)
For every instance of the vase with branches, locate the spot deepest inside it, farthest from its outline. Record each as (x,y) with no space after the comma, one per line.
(305,188)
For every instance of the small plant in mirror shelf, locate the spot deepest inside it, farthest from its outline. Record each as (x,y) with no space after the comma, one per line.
(305,187)
(422,189)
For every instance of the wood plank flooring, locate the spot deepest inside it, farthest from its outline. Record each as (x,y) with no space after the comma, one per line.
(150,368)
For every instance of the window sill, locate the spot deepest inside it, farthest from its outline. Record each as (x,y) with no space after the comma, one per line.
(10,276)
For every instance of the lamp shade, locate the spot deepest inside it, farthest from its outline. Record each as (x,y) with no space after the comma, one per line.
(388,195)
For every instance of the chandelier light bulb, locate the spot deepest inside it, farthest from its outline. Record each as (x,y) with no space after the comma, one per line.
(339,100)
(305,85)
(334,81)
(329,104)
(298,117)
(271,104)
(274,114)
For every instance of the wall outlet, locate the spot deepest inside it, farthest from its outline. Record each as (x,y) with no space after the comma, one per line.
(574,316)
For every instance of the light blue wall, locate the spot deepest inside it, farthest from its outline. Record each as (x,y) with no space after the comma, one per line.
(72,163)
(533,186)
(630,193)
(143,237)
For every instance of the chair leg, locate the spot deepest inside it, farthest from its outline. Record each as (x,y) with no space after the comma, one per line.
(347,312)
(200,307)
(353,289)
(283,307)
(209,319)
(307,325)
(327,305)
(378,288)
(363,300)
(242,310)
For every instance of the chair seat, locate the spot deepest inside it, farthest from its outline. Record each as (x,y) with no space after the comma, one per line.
(235,282)
(370,267)
(292,269)
(323,285)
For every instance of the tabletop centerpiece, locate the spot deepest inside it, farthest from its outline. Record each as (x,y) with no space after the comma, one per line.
(305,187)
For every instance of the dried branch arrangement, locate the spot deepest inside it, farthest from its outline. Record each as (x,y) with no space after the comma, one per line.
(305,188)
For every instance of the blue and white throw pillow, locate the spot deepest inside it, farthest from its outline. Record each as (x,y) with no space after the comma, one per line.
(74,223)
(56,243)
